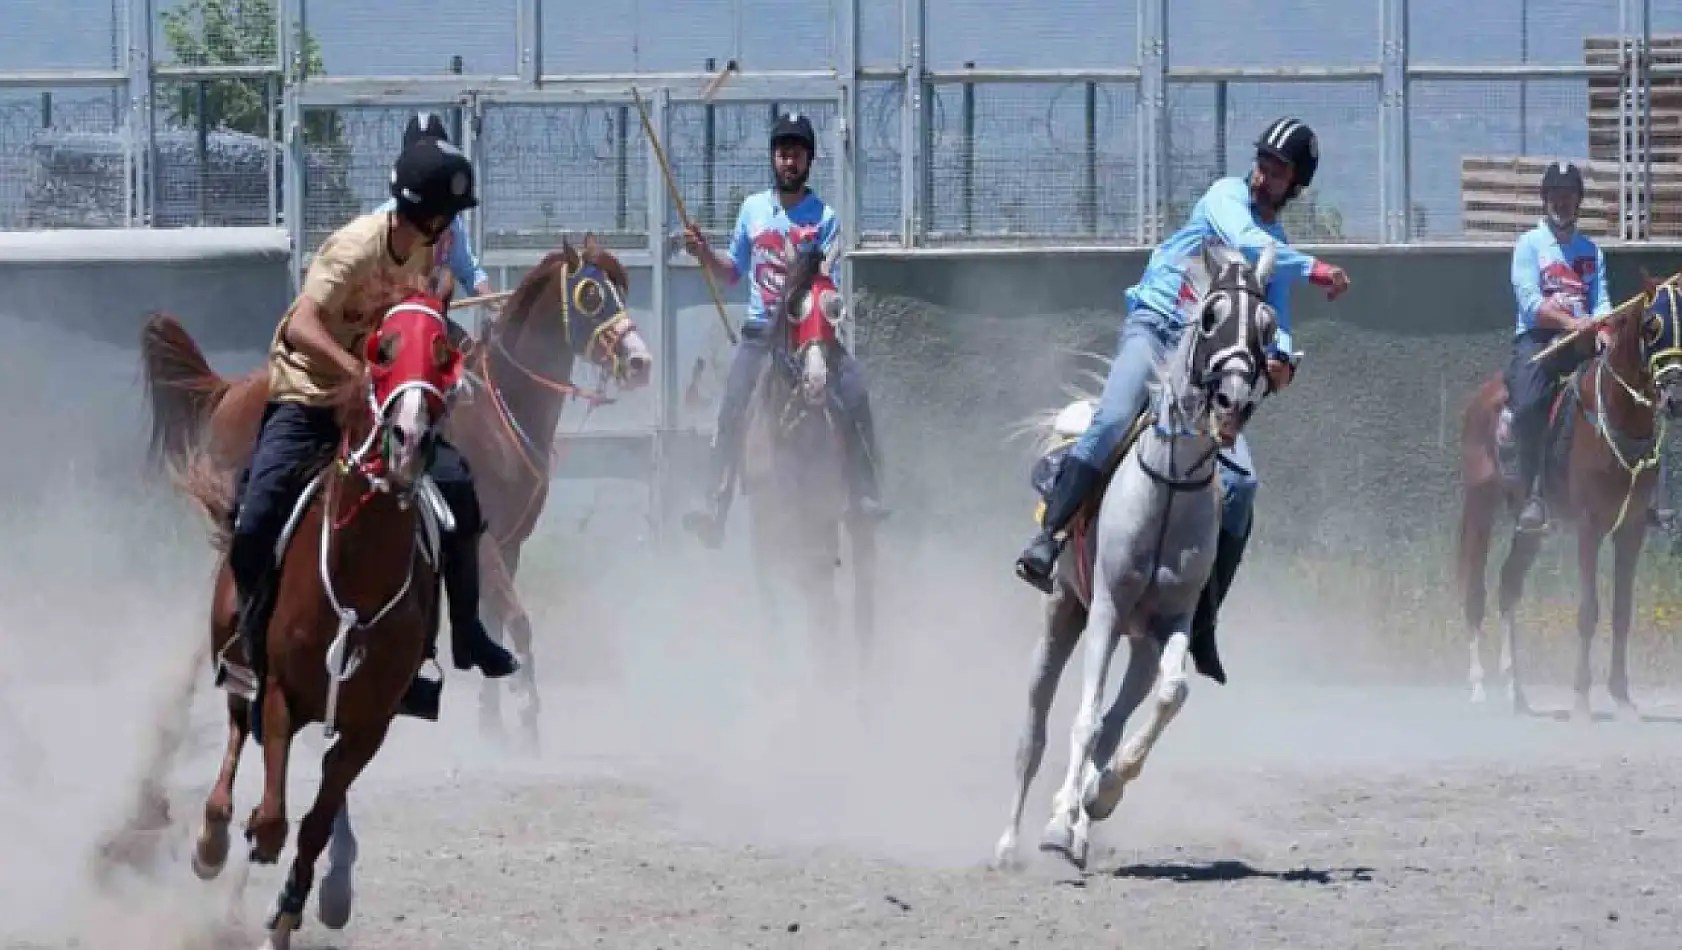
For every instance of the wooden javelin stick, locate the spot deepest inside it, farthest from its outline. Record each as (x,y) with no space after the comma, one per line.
(1565,339)
(466,302)
(682,212)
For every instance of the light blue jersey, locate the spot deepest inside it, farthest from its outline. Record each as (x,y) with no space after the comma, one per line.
(1225,213)
(1544,269)
(457,251)
(763,231)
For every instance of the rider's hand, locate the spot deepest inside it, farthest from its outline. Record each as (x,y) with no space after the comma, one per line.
(1335,281)
(1279,373)
(695,243)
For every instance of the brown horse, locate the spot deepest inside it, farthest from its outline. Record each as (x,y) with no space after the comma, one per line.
(1604,440)
(356,601)
(571,305)
(794,468)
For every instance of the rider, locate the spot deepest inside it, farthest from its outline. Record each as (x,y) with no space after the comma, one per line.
(454,251)
(1241,212)
(357,272)
(769,221)
(1559,280)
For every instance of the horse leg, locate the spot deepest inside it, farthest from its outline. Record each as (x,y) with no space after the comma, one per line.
(1588,611)
(338,886)
(1103,792)
(1477,523)
(1063,621)
(339,768)
(862,536)
(517,624)
(210,853)
(266,829)
(1171,691)
(1520,556)
(1066,832)
(493,589)
(1626,553)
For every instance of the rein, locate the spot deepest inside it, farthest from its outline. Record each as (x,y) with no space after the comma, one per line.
(1645,448)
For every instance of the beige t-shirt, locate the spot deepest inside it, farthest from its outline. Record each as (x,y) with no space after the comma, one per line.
(353,279)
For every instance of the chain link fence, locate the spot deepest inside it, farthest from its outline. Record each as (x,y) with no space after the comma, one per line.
(970,121)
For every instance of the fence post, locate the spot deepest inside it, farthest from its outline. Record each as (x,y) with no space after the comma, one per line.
(141,157)
(659,106)
(1151,193)
(966,150)
(290,14)
(1394,179)
(709,157)
(529,19)
(846,129)
(913,125)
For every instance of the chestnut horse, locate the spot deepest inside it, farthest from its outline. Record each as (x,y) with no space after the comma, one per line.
(1604,441)
(794,467)
(356,597)
(571,305)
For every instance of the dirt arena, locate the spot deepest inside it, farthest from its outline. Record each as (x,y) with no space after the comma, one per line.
(703,784)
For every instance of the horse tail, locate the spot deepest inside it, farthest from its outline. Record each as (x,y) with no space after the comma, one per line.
(208,485)
(181,389)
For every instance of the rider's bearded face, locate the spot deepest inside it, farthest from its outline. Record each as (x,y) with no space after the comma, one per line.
(790,162)
(1270,182)
(1562,205)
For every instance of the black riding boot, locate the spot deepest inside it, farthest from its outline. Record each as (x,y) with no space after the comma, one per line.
(424,696)
(707,524)
(470,644)
(1075,482)
(863,474)
(1229,550)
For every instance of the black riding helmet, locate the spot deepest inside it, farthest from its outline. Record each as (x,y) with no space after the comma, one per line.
(431,179)
(794,127)
(1294,143)
(424,125)
(1562,175)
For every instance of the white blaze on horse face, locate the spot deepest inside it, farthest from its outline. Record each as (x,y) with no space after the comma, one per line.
(816,377)
(637,358)
(409,420)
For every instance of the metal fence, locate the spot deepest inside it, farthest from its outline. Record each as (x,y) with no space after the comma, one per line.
(948,121)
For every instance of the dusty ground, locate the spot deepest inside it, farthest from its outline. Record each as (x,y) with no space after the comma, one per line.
(699,786)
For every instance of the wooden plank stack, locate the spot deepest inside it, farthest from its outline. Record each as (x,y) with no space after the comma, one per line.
(1499,194)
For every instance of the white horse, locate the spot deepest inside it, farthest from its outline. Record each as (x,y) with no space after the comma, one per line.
(1150,551)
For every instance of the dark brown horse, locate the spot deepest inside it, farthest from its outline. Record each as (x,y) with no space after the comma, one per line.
(356,601)
(794,470)
(1604,441)
(571,305)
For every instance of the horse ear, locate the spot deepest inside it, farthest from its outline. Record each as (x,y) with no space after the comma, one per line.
(1264,267)
(590,245)
(569,253)
(1211,266)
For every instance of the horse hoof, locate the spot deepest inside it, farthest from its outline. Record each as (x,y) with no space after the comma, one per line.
(1005,856)
(1061,839)
(337,892)
(1103,794)
(1478,694)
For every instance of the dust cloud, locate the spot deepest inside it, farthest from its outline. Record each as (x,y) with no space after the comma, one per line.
(654,665)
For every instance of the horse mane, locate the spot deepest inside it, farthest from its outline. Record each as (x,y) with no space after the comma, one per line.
(1040,425)
(538,279)
(803,268)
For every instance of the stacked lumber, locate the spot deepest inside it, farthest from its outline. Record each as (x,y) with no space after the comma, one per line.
(1499,194)
(1665,139)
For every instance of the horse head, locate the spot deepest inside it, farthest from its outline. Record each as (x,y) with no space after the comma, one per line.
(591,321)
(1224,373)
(1660,341)
(808,318)
(396,410)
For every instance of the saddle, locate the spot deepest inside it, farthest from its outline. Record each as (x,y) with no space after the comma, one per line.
(244,679)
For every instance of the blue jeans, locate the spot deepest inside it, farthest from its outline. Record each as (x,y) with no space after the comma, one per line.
(847,394)
(1147,337)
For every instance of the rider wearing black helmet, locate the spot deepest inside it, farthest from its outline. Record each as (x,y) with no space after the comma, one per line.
(1559,284)
(789,213)
(1241,212)
(453,253)
(356,275)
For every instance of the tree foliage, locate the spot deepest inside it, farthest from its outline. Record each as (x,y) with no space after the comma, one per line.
(236,33)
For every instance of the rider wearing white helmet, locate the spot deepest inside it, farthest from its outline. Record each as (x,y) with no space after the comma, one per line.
(1241,212)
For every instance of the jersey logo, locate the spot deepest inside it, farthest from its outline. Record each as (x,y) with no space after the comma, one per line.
(771,251)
